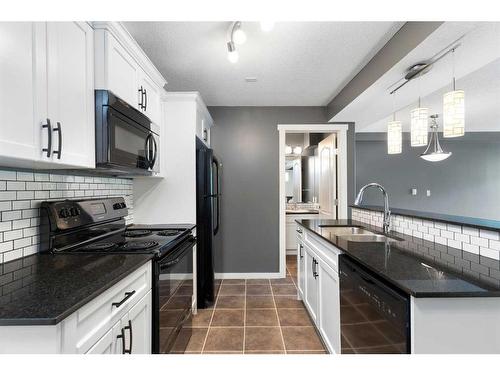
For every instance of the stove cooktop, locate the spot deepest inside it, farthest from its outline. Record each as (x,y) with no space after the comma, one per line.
(155,240)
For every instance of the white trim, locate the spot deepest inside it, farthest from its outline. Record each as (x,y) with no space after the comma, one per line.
(341,130)
(251,275)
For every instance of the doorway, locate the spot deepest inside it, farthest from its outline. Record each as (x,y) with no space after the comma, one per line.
(324,149)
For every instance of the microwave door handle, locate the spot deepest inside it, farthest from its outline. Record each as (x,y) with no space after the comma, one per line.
(154,152)
(146,149)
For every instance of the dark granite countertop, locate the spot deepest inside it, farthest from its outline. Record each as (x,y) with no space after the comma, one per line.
(444,218)
(43,289)
(417,267)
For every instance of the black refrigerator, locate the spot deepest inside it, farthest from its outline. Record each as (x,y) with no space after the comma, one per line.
(208,221)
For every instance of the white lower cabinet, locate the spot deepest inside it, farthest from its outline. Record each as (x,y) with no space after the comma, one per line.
(312,295)
(119,320)
(301,260)
(329,307)
(318,285)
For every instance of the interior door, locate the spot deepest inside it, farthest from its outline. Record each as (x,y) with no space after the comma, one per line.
(327,155)
(70,66)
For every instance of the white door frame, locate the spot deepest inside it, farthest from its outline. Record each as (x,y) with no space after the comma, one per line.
(341,130)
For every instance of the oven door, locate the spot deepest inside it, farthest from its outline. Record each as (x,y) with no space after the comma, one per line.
(175,299)
(130,144)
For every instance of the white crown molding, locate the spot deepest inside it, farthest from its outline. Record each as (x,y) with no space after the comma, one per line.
(131,46)
(195,96)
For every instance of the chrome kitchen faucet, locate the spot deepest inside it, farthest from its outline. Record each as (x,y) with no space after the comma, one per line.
(387,212)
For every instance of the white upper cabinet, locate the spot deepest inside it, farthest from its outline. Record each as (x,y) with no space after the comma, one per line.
(149,101)
(116,70)
(48,70)
(70,63)
(21,125)
(123,68)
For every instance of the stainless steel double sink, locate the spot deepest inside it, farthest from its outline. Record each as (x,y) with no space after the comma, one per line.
(357,234)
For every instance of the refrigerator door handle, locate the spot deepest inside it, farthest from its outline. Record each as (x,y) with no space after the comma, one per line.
(216,196)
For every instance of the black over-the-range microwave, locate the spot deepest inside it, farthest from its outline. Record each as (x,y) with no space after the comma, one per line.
(126,140)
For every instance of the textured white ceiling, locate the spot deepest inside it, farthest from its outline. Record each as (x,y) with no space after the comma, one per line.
(296,64)
(477,67)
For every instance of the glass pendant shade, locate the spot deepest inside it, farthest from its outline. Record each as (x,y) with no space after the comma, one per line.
(454,114)
(288,149)
(434,152)
(394,137)
(419,119)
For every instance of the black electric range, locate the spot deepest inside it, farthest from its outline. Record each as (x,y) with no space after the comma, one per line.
(97,226)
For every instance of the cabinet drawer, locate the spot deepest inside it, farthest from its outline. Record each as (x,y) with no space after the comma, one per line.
(326,251)
(82,329)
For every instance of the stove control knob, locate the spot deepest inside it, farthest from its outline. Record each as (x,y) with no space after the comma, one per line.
(117,206)
(64,213)
(123,205)
(74,211)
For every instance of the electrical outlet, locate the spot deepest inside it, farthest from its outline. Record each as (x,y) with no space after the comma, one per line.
(428,193)
(413,191)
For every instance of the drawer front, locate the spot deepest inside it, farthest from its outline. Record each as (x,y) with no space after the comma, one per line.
(82,329)
(326,251)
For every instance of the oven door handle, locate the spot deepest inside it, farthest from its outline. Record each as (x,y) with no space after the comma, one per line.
(169,262)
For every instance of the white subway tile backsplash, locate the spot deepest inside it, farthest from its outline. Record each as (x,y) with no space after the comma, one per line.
(472,240)
(470,231)
(479,241)
(490,253)
(471,248)
(489,234)
(21,193)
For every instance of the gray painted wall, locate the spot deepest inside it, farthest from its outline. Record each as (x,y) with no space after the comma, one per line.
(246,139)
(467,183)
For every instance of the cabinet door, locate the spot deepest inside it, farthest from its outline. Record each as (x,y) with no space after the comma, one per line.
(121,71)
(105,345)
(151,98)
(139,317)
(291,236)
(21,125)
(311,287)
(70,62)
(301,267)
(329,307)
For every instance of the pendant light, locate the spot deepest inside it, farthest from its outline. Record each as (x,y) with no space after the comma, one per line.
(394,134)
(419,125)
(434,152)
(454,109)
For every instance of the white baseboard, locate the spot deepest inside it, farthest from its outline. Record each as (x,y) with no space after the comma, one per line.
(291,252)
(252,275)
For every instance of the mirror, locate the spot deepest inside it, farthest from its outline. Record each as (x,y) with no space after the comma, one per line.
(465,184)
(302,172)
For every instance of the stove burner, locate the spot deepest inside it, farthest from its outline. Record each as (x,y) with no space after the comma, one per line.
(137,233)
(99,246)
(169,232)
(139,245)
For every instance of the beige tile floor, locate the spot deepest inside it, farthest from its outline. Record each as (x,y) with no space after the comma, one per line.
(256,317)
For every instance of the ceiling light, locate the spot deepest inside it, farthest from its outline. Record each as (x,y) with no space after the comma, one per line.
(297,150)
(266,26)
(288,149)
(454,109)
(434,152)
(232,54)
(419,119)
(239,36)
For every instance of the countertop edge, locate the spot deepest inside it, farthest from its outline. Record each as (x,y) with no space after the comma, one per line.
(487,294)
(52,321)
